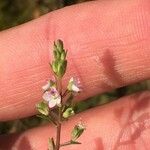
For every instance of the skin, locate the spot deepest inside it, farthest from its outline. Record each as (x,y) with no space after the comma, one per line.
(108,47)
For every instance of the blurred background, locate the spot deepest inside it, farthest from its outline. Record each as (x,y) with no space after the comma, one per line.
(15,12)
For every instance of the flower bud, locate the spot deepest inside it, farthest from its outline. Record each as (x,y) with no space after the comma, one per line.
(63,55)
(68,112)
(43,108)
(77,131)
(61,68)
(59,64)
(57,54)
(59,44)
(74,85)
(50,84)
(55,66)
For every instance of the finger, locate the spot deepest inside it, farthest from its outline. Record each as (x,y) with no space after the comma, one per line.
(105,51)
(122,124)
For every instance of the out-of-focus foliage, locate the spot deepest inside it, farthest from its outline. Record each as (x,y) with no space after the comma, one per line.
(14,12)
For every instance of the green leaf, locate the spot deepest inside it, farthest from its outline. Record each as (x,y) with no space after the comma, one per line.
(75,142)
(43,108)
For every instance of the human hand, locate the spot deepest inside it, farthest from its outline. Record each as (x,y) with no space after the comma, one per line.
(108,43)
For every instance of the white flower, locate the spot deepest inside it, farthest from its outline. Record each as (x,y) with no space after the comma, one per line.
(49,84)
(52,97)
(74,85)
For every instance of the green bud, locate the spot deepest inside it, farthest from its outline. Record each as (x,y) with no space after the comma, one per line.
(59,44)
(55,66)
(55,46)
(68,112)
(77,131)
(57,55)
(59,64)
(42,108)
(63,55)
(62,68)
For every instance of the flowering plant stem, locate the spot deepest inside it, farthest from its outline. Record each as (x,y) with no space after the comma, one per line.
(59,85)
(54,96)
(58,132)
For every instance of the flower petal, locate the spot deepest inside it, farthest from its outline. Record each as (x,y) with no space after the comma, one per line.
(74,85)
(75,88)
(50,84)
(46,86)
(58,100)
(47,96)
(71,80)
(52,103)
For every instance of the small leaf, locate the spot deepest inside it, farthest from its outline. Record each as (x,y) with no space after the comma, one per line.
(42,108)
(75,142)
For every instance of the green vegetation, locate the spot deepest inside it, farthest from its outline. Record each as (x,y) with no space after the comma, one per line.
(14,12)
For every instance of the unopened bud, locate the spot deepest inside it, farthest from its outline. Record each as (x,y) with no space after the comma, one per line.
(55,66)
(59,44)
(61,68)
(77,131)
(68,112)
(63,55)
